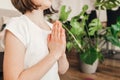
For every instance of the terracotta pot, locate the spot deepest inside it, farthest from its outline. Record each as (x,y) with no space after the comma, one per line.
(86,68)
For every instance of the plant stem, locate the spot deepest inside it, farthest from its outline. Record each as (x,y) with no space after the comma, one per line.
(87,30)
(97,37)
(79,45)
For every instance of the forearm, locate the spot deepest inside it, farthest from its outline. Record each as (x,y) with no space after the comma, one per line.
(63,64)
(37,71)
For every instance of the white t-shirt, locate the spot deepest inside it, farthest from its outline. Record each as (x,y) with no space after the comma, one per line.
(34,39)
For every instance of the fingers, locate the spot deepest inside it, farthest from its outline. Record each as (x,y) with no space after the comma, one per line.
(58,32)
(62,31)
(59,24)
(63,36)
(55,30)
(49,37)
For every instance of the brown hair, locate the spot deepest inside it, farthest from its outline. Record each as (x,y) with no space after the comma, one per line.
(28,5)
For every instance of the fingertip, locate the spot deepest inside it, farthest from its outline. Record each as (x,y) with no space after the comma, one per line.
(57,21)
(60,24)
(54,24)
(63,30)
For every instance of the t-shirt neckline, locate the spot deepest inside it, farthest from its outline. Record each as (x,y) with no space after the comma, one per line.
(37,25)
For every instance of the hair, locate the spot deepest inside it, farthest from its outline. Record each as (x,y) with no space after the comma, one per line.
(27,5)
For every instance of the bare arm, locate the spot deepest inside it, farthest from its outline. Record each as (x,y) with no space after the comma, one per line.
(14,58)
(63,64)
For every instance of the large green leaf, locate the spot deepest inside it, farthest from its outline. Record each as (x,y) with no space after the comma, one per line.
(94,26)
(113,40)
(89,56)
(64,14)
(118,21)
(113,33)
(76,29)
(115,29)
(107,4)
(78,26)
(100,56)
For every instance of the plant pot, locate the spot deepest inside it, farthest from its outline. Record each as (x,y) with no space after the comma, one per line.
(86,68)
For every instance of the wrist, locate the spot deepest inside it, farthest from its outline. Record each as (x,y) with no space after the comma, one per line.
(63,56)
(54,55)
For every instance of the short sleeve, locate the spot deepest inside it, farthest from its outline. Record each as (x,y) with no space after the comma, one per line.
(18,29)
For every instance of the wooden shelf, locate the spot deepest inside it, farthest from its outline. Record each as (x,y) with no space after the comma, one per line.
(108,70)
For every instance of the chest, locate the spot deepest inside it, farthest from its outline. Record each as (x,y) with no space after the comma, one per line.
(37,47)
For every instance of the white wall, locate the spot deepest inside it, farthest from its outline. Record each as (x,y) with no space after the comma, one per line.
(6,4)
(74,5)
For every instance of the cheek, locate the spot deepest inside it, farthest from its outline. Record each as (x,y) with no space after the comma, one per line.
(37,2)
(47,2)
(44,3)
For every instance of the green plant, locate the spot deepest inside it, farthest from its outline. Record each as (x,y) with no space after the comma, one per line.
(84,36)
(107,4)
(113,32)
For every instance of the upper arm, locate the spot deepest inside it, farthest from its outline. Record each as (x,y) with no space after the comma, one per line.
(13,57)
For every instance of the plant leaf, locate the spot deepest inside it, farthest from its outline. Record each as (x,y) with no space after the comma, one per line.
(64,14)
(89,56)
(69,46)
(113,40)
(94,26)
(113,33)
(115,29)
(107,4)
(76,29)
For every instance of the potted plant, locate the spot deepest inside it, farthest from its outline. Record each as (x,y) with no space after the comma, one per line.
(85,37)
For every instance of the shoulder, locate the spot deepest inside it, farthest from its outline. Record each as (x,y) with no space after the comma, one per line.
(17,20)
(17,24)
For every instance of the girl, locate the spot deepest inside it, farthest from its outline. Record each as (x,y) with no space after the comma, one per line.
(34,50)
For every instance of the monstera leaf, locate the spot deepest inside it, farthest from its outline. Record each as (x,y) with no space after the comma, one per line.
(64,14)
(89,56)
(78,27)
(94,26)
(113,40)
(107,4)
(115,29)
(113,35)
